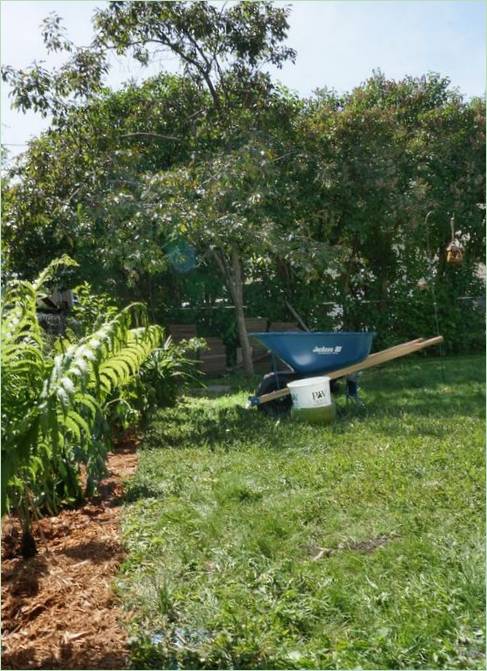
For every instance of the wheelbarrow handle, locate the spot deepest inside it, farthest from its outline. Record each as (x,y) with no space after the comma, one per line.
(372,360)
(387,355)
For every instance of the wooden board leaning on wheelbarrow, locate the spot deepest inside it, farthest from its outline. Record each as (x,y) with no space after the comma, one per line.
(372,360)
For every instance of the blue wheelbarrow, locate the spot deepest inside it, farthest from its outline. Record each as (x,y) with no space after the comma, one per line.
(306,354)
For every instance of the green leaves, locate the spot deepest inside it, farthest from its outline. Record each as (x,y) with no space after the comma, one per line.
(219,48)
(323,200)
(53,410)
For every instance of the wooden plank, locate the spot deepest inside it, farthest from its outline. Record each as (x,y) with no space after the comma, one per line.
(214,346)
(296,316)
(384,352)
(182,331)
(284,326)
(372,360)
(386,356)
(216,363)
(256,324)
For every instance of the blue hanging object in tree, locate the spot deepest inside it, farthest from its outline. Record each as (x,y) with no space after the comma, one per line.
(181,256)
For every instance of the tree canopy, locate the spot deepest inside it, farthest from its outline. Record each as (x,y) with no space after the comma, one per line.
(320,202)
(222,48)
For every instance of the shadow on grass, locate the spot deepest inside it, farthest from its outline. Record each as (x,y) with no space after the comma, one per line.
(420,395)
(197,426)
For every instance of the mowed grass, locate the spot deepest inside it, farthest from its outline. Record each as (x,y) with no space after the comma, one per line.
(261,544)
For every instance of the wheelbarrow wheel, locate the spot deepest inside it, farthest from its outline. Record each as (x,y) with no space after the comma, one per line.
(271,382)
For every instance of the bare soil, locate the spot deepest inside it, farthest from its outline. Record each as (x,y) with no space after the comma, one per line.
(58,608)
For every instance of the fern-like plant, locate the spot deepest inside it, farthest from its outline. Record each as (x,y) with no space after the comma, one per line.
(53,398)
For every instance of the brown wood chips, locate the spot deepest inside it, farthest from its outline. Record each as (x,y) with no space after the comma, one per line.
(58,608)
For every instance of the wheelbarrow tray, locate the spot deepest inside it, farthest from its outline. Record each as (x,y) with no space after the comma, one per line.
(376,359)
(318,352)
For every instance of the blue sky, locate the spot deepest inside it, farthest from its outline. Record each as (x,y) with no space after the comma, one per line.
(338,45)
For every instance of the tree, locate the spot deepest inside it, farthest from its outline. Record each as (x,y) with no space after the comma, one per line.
(103,149)
(333,210)
(222,49)
(92,206)
(226,206)
(386,154)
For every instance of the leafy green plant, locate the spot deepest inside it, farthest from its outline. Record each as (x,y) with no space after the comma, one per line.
(24,368)
(91,309)
(53,410)
(165,373)
(174,363)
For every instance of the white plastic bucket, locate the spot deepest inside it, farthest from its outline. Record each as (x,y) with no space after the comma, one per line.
(312,392)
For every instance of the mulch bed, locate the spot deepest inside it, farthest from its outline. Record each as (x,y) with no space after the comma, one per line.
(58,608)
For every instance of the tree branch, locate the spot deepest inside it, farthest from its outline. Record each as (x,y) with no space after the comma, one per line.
(149,134)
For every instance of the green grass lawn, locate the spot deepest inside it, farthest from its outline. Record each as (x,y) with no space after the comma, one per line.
(262,544)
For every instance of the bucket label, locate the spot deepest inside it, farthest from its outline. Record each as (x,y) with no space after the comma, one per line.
(320,397)
(327,350)
(311,398)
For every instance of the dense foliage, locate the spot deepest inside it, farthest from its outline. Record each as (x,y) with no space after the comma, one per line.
(388,154)
(220,187)
(61,397)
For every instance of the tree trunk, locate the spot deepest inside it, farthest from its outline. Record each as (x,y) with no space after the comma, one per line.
(28,546)
(233,280)
(346,277)
(239,313)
